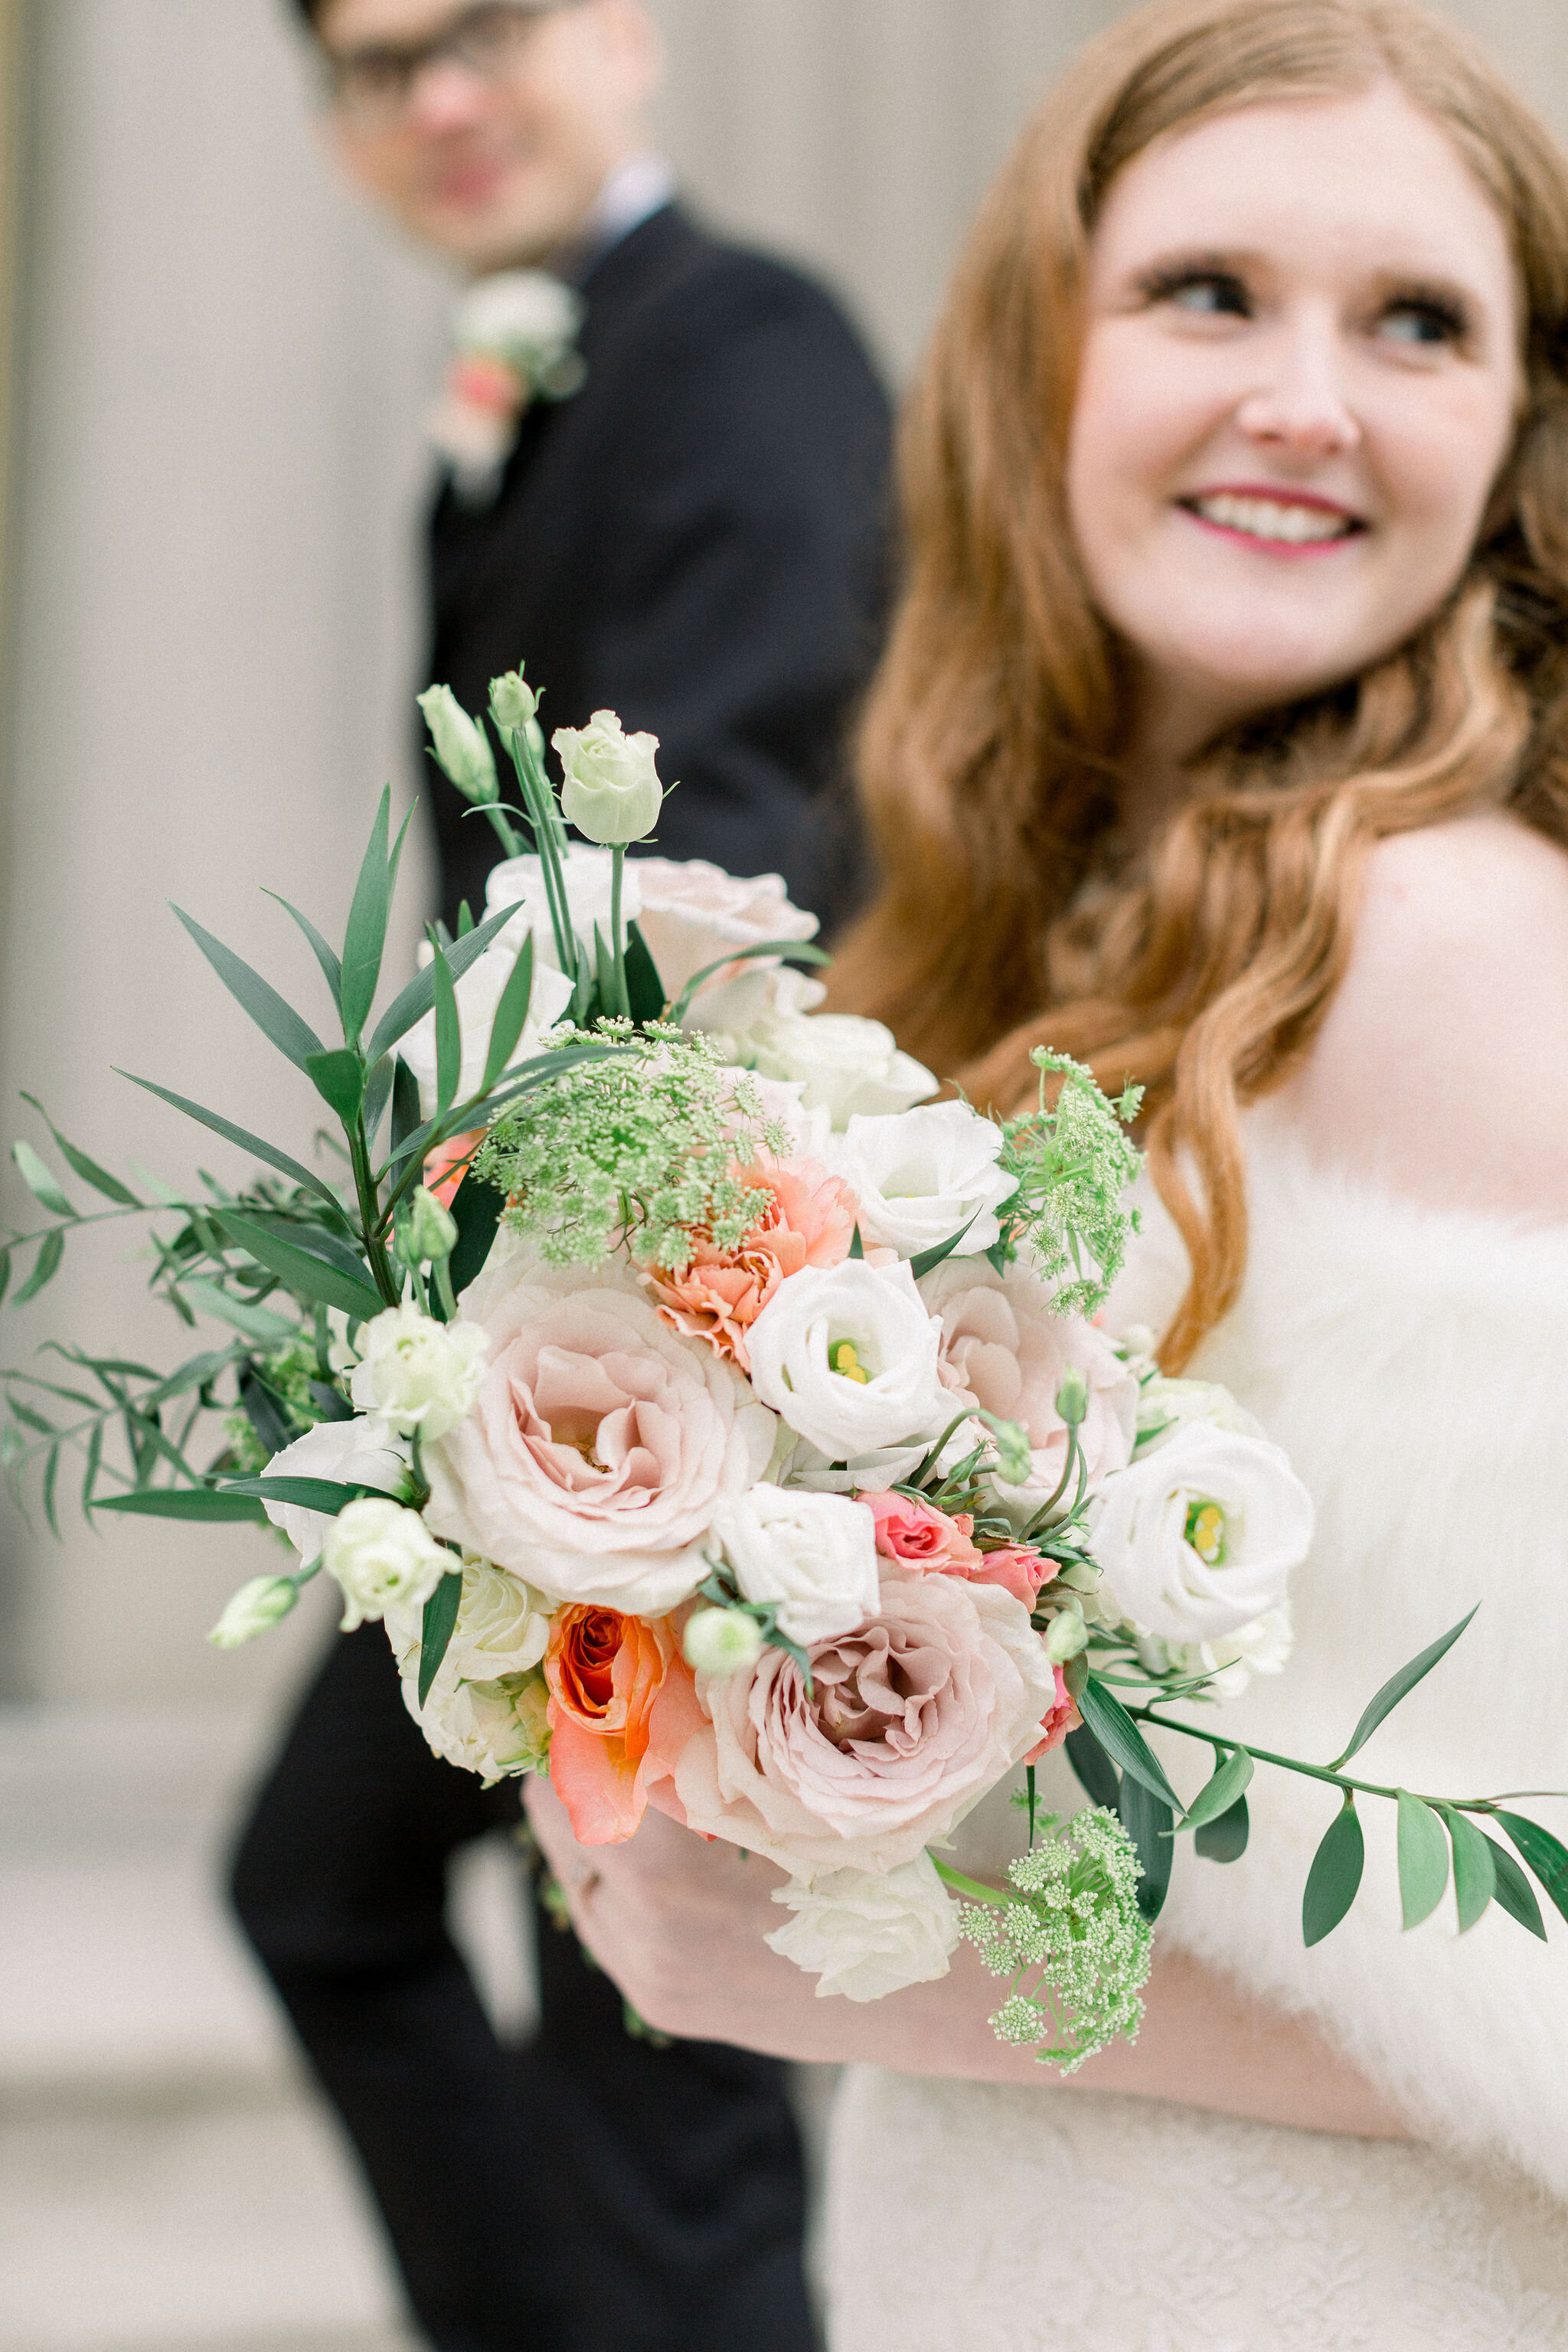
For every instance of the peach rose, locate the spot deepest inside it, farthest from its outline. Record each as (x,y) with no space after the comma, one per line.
(604,1672)
(599,1443)
(1003,1348)
(914,1717)
(810,1221)
(1061,1717)
(445,1167)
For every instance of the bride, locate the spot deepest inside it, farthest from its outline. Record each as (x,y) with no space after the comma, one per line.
(1223,741)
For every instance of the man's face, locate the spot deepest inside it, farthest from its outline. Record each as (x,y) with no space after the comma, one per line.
(488,130)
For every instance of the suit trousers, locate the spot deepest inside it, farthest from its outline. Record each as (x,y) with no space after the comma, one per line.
(593,2192)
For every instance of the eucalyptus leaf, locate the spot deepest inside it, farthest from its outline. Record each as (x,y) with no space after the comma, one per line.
(307,1277)
(1147,1819)
(43,1186)
(1225,1840)
(1399,1687)
(1219,1794)
(45,1265)
(441,1617)
(1423,1859)
(1334,1877)
(185,1503)
(1097,1774)
(1123,1741)
(1547,1855)
(87,1170)
(276,1019)
(339,1078)
(1475,1873)
(366,934)
(255,1144)
(1513,1892)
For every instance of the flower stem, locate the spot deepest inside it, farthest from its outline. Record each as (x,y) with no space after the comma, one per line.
(1320,1771)
(617,929)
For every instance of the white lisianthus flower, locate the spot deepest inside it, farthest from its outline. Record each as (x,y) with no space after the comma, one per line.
(255,1608)
(922,1176)
(1164,1404)
(478,992)
(1198,1536)
(848,1356)
(845,1064)
(461,746)
(365,1451)
(381,1555)
(416,1373)
(519,882)
(1261,1648)
(865,1933)
(813,1558)
(610,788)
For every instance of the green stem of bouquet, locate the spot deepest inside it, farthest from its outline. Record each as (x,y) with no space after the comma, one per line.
(1321,1772)
(617,929)
(370,1213)
(550,839)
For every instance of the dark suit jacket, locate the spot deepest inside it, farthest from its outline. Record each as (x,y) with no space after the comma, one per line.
(694,540)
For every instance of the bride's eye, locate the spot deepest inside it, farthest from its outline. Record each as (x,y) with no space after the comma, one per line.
(1423,321)
(1202,293)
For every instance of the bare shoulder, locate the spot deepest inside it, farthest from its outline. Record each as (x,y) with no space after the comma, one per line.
(1442,1066)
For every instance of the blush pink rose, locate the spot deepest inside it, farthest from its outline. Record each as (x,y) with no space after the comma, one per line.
(1061,1717)
(914,1717)
(1002,1349)
(809,1221)
(598,1445)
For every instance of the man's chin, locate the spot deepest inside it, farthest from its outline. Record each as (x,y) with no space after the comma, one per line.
(508,235)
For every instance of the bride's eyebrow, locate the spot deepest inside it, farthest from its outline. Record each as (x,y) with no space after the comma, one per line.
(1183,264)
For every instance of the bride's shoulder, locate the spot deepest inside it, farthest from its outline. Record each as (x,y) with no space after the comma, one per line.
(1441,1068)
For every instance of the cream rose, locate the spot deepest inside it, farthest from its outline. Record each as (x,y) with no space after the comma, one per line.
(365,1451)
(478,992)
(502,1625)
(496,1729)
(923,1175)
(599,1446)
(610,788)
(848,1356)
(864,1934)
(813,1558)
(914,1717)
(1002,1349)
(845,1065)
(1199,1536)
(380,1556)
(416,1373)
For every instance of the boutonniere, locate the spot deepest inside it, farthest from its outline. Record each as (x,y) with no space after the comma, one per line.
(516,336)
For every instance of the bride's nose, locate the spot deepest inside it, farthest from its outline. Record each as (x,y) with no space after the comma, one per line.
(1300,406)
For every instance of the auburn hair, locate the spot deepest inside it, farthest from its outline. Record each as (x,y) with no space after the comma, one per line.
(988,748)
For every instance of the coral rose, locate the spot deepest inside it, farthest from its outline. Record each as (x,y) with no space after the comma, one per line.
(912,1717)
(1061,1717)
(809,1221)
(599,1443)
(921,1537)
(604,1672)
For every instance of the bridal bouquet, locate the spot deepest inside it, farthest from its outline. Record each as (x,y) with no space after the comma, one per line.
(716,1420)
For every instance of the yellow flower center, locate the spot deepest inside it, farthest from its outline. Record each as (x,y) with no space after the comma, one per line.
(1205,1533)
(843,1359)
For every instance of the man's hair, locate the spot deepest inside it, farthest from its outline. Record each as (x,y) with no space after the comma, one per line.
(310,10)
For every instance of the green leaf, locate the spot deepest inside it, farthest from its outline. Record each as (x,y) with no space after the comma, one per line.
(325,957)
(1123,1741)
(329,1495)
(1219,1794)
(1225,1840)
(1475,1873)
(42,1185)
(338,1078)
(4,1271)
(1097,1774)
(307,1277)
(644,990)
(257,1323)
(1335,1876)
(276,1019)
(1513,1892)
(185,1503)
(366,933)
(45,1265)
(1147,1819)
(857,1246)
(477,1208)
(404,1105)
(1423,1859)
(51,1473)
(87,1170)
(1399,1687)
(512,1014)
(377,1093)
(1546,1855)
(412,1003)
(441,1616)
(265,1412)
(396,860)
(926,1261)
(448,1035)
(255,1144)
(786,951)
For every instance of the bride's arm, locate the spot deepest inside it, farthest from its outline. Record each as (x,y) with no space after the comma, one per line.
(679,1923)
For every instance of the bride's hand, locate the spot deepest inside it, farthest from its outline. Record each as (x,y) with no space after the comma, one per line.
(679,1923)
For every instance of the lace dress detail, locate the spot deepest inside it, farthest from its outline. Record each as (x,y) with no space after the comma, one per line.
(1416,1367)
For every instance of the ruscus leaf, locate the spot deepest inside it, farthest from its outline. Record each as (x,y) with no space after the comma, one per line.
(1334,1877)
(339,1078)
(255,1144)
(332,969)
(414,1002)
(1147,1819)
(1219,1794)
(1547,1855)
(1423,1859)
(1513,1892)
(441,1616)
(448,1035)
(644,990)
(327,1495)
(1225,1840)
(511,1012)
(1123,1741)
(185,1503)
(1399,1687)
(1475,1873)
(1097,1774)
(307,1277)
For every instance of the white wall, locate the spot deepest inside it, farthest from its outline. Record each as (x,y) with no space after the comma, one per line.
(225,365)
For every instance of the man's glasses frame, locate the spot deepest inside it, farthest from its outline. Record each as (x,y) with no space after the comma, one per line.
(372,85)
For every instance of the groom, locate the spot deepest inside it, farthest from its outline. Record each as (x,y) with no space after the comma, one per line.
(692,537)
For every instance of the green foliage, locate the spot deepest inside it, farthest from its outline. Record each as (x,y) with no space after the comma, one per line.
(436,1629)
(1423,1859)
(1123,1741)
(1072,1164)
(1231,1778)
(1475,1873)
(1147,1819)
(1399,1687)
(1073,1926)
(642,1145)
(1335,1876)
(1225,1838)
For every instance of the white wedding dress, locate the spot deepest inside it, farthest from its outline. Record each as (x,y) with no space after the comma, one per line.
(1415,1366)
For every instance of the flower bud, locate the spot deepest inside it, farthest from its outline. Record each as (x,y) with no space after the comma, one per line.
(513,704)
(427,1232)
(381,1555)
(462,748)
(611,792)
(721,1641)
(1072,1396)
(1064,1637)
(255,1608)
(1014,1462)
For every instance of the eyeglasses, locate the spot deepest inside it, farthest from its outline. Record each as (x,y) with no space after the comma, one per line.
(374,85)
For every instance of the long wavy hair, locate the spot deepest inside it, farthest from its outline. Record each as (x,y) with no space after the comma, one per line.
(988,748)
